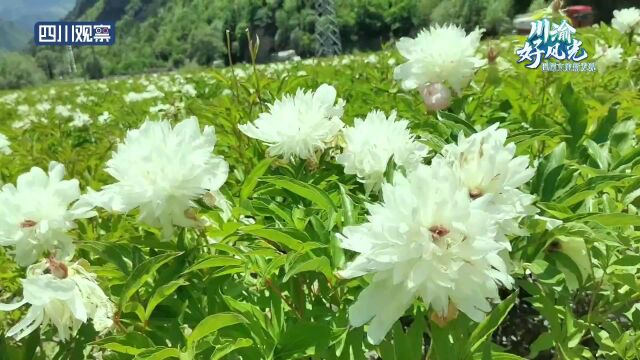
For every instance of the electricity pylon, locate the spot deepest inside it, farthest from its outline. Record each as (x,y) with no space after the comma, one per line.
(327,33)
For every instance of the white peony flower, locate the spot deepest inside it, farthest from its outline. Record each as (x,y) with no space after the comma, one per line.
(626,20)
(161,170)
(80,119)
(427,239)
(5,145)
(150,92)
(104,118)
(441,54)
(371,142)
(63,110)
(63,296)
(488,166)
(188,90)
(299,125)
(43,106)
(607,56)
(35,215)
(371,59)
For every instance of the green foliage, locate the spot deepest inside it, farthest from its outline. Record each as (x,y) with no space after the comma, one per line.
(18,70)
(264,285)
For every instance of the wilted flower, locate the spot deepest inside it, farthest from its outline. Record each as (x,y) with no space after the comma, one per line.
(427,239)
(299,125)
(487,166)
(35,214)
(372,142)
(441,54)
(626,20)
(65,296)
(607,56)
(162,170)
(4,145)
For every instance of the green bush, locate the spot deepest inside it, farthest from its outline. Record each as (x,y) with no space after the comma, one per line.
(18,70)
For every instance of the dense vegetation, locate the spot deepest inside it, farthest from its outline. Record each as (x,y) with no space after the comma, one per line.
(161,34)
(264,284)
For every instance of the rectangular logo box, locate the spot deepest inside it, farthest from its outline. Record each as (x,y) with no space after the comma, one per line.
(79,33)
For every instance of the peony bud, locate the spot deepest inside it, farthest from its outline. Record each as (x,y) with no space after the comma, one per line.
(436,97)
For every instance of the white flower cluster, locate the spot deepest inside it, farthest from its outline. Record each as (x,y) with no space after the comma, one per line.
(5,145)
(35,217)
(371,143)
(63,296)
(442,56)
(299,125)
(627,21)
(304,125)
(150,92)
(159,169)
(607,56)
(439,234)
(441,231)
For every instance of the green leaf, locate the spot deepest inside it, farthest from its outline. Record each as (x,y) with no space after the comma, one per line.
(143,273)
(303,338)
(577,114)
(484,330)
(500,356)
(449,117)
(307,191)
(212,324)
(162,293)
(598,153)
(604,126)
(131,343)
(159,353)
(226,349)
(280,236)
(347,207)
(629,157)
(614,219)
(319,264)
(590,186)
(627,263)
(252,179)
(542,343)
(212,261)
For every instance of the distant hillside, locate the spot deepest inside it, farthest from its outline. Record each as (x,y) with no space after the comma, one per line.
(17,18)
(171,33)
(13,37)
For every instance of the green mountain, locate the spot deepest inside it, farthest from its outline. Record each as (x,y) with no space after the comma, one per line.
(12,37)
(17,18)
(171,33)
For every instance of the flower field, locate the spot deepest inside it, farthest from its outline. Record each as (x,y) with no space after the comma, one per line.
(437,200)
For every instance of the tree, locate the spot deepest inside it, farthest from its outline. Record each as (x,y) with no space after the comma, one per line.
(49,62)
(19,70)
